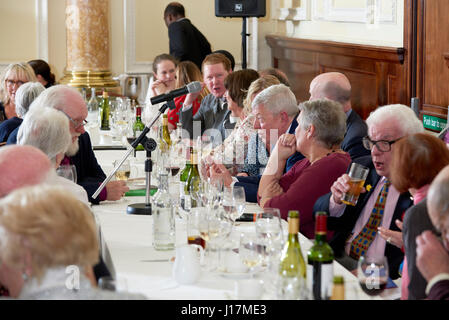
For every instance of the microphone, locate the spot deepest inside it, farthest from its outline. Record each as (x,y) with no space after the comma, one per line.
(192,87)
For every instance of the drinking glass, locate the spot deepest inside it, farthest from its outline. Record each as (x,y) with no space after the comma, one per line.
(269,232)
(358,174)
(372,273)
(238,196)
(67,171)
(124,171)
(250,251)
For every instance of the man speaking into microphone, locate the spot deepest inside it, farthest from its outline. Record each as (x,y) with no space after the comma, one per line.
(213,110)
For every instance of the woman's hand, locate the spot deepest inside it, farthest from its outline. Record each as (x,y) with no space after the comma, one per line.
(392,237)
(271,191)
(286,146)
(219,172)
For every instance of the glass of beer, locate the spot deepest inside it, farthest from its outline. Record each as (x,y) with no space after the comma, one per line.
(358,174)
(124,171)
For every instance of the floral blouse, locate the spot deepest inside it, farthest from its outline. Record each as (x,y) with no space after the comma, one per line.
(232,152)
(257,157)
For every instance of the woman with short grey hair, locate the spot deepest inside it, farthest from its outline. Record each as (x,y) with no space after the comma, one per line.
(321,129)
(25,95)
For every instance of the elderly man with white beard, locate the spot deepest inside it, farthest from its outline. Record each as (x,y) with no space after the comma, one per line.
(89,173)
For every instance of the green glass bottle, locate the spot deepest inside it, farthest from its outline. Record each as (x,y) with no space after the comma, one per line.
(193,181)
(165,131)
(138,126)
(105,111)
(292,262)
(320,260)
(184,175)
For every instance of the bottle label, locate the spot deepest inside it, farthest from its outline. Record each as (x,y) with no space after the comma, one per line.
(319,279)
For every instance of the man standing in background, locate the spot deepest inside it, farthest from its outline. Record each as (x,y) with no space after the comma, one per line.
(186,41)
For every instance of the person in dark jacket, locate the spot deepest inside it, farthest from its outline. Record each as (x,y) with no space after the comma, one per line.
(185,40)
(356,227)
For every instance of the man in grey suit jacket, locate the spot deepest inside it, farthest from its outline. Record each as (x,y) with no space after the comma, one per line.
(335,86)
(213,111)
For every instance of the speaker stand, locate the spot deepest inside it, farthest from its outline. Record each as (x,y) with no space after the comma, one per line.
(244,35)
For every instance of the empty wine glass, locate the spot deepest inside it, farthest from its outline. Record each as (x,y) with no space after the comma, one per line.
(269,231)
(67,171)
(372,273)
(238,196)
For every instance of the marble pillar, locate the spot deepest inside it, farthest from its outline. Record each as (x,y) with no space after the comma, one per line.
(88,57)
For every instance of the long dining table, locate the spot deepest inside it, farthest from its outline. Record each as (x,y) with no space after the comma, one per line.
(126,245)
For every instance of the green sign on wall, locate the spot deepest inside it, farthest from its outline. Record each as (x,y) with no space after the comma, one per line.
(433,123)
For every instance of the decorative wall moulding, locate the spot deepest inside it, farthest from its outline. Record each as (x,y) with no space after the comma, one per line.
(131,65)
(300,13)
(386,11)
(335,10)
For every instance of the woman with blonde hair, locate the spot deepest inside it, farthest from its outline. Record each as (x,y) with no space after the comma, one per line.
(186,72)
(48,242)
(12,77)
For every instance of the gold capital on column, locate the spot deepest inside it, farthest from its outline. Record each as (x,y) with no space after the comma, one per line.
(87,28)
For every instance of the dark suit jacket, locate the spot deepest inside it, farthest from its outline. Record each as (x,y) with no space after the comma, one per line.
(210,116)
(88,171)
(356,129)
(439,291)
(251,184)
(344,224)
(187,42)
(416,220)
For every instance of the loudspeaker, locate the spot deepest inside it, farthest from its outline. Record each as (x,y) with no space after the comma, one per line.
(240,8)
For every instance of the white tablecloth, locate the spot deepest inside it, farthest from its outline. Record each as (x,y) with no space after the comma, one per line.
(127,242)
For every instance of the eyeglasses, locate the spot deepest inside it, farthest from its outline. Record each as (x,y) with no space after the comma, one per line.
(76,124)
(11,83)
(382,145)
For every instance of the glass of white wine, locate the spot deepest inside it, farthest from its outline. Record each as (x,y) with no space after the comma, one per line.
(250,251)
(124,171)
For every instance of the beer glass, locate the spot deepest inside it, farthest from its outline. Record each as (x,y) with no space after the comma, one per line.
(358,174)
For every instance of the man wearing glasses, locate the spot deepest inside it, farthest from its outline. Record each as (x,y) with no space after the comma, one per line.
(379,204)
(89,174)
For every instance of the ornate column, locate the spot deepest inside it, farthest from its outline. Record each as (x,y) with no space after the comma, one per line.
(87,28)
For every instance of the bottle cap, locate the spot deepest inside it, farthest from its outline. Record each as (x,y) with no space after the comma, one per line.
(320,222)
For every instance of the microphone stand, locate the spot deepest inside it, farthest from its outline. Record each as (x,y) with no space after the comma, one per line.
(149,145)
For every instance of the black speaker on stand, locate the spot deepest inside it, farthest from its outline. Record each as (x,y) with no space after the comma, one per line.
(241,9)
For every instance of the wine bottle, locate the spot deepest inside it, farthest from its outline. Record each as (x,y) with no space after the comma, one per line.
(165,140)
(193,181)
(105,111)
(292,262)
(320,260)
(338,289)
(138,126)
(183,179)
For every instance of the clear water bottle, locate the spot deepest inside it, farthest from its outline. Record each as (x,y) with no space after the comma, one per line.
(92,108)
(163,217)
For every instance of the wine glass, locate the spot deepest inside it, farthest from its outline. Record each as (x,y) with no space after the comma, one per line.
(269,231)
(67,171)
(372,273)
(250,252)
(238,196)
(124,171)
